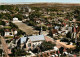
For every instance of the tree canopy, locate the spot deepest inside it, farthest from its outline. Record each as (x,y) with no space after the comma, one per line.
(47,45)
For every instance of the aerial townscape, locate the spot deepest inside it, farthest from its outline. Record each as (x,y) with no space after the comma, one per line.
(40,30)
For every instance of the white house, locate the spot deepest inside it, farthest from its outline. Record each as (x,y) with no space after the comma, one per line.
(7,23)
(15,20)
(8,32)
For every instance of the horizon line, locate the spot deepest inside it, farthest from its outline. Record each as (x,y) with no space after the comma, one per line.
(36,2)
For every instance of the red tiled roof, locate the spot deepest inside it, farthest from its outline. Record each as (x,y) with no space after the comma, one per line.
(13,29)
(64,49)
(49,25)
(58,51)
(6,21)
(7,30)
(64,24)
(75,56)
(66,19)
(54,31)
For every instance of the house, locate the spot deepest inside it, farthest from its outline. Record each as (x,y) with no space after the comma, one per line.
(57,27)
(8,32)
(15,20)
(14,31)
(4,11)
(74,20)
(70,29)
(37,20)
(54,32)
(66,19)
(49,25)
(30,42)
(7,23)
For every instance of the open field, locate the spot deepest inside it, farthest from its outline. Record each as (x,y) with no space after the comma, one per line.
(27,29)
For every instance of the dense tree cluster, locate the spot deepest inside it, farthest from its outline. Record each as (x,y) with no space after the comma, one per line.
(18,52)
(47,45)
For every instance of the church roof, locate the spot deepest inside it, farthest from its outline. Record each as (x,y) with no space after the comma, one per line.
(32,38)
(36,38)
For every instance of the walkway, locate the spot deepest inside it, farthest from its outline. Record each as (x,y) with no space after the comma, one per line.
(5,47)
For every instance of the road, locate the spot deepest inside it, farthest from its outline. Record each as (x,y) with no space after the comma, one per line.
(62,44)
(5,47)
(24,27)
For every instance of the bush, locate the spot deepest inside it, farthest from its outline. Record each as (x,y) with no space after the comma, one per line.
(28,53)
(2,23)
(31,23)
(64,40)
(47,46)
(13,25)
(18,52)
(20,32)
(7,27)
(2,32)
(1,51)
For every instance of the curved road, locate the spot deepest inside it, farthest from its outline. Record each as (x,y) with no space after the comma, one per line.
(5,47)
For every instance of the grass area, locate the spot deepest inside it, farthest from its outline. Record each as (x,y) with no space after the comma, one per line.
(28,54)
(7,27)
(9,37)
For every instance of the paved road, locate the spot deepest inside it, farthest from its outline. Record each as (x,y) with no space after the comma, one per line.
(5,47)
(27,29)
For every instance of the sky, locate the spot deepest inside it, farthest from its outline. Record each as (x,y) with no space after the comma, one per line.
(57,1)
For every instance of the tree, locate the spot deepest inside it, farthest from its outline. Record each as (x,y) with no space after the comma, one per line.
(68,35)
(77,49)
(65,40)
(20,32)
(2,32)
(18,52)
(19,16)
(50,33)
(34,14)
(44,28)
(47,45)
(2,23)
(13,25)
(61,49)
(1,51)
(31,23)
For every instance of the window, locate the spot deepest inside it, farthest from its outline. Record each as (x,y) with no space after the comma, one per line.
(33,45)
(29,45)
(10,33)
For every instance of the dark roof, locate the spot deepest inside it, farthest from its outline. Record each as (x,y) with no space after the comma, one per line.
(54,31)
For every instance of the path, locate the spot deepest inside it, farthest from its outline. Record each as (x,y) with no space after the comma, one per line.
(5,47)
(62,44)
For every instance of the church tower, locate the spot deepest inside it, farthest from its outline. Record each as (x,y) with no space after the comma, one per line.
(40,32)
(74,34)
